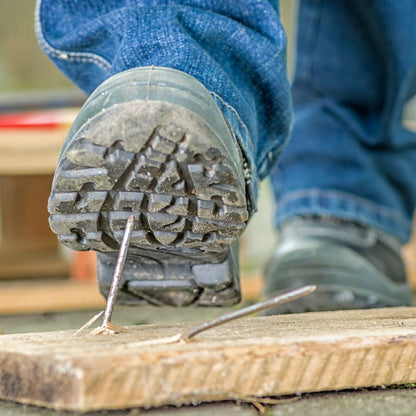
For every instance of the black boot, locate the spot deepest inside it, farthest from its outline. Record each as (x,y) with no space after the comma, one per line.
(353,266)
(152,142)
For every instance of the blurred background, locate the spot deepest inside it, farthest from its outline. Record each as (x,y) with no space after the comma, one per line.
(23,67)
(36,274)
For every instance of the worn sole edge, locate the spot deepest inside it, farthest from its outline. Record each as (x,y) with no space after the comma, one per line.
(71,207)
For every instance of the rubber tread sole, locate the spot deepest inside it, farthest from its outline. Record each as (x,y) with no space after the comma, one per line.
(162,163)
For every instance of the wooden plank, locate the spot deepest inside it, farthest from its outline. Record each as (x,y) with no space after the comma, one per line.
(254,357)
(30,152)
(30,142)
(49,296)
(33,264)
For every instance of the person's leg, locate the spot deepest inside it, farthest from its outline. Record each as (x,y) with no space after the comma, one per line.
(165,143)
(348,170)
(237,50)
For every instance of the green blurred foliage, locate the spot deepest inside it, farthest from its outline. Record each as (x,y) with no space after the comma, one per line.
(23,65)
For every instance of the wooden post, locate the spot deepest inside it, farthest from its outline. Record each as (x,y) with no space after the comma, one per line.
(27,161)
(28,247)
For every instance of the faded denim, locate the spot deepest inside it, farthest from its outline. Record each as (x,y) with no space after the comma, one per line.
(349,156)
(237,49)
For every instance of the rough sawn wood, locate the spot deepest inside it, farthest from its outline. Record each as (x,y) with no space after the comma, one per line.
(253,357)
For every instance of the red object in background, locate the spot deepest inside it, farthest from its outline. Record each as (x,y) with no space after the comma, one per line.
(84,266)
(44,119)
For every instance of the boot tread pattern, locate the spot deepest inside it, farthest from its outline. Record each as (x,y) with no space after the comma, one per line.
(181,199)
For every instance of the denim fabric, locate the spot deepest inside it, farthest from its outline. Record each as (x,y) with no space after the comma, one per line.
(349,156)
(237,49)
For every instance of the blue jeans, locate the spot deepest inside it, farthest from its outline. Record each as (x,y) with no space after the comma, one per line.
(349,156)
(211,40)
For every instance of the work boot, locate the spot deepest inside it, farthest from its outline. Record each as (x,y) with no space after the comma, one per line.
(352,266)
(152,142)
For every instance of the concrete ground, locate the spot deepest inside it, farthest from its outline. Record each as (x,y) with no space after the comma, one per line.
(390,401)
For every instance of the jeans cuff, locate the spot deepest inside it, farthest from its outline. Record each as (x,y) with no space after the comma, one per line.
(338,204)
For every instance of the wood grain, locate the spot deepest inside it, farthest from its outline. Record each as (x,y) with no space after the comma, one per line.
(254,357)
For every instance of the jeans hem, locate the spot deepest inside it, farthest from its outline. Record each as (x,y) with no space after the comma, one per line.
(345,206)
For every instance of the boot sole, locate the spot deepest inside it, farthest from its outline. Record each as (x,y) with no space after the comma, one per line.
(161,162)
